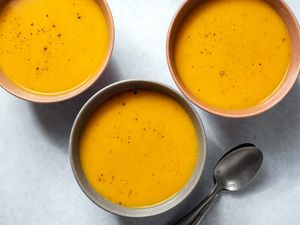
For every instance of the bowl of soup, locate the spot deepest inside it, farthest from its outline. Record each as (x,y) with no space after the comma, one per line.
(51,51)
(137,148)
(234,58)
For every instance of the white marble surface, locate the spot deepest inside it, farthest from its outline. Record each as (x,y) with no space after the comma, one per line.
(36,182)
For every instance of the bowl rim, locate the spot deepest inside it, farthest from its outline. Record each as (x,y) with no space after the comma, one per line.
(18,92)
(282,90)
(108,92)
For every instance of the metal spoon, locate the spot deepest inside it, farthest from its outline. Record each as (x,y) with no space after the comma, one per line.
(235,170)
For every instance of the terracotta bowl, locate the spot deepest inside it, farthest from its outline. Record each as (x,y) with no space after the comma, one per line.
(23,94)
(290,77)
(85,114)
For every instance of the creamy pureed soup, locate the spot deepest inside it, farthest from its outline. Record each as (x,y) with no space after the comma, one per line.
(232,54)
(51,47)
(139,148)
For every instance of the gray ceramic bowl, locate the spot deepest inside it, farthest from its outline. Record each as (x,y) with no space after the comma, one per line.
(80,122)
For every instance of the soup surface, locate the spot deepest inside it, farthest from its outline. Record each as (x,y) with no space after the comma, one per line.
(232,54)
(52,46)
(139,148)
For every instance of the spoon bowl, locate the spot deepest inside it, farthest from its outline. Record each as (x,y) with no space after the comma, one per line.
(238,168)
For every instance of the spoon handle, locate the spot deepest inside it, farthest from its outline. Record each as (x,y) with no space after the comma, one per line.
(200,210)
(197,220)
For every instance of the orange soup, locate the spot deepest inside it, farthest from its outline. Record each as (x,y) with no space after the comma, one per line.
(139,148)
(50,47)
(232,54)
